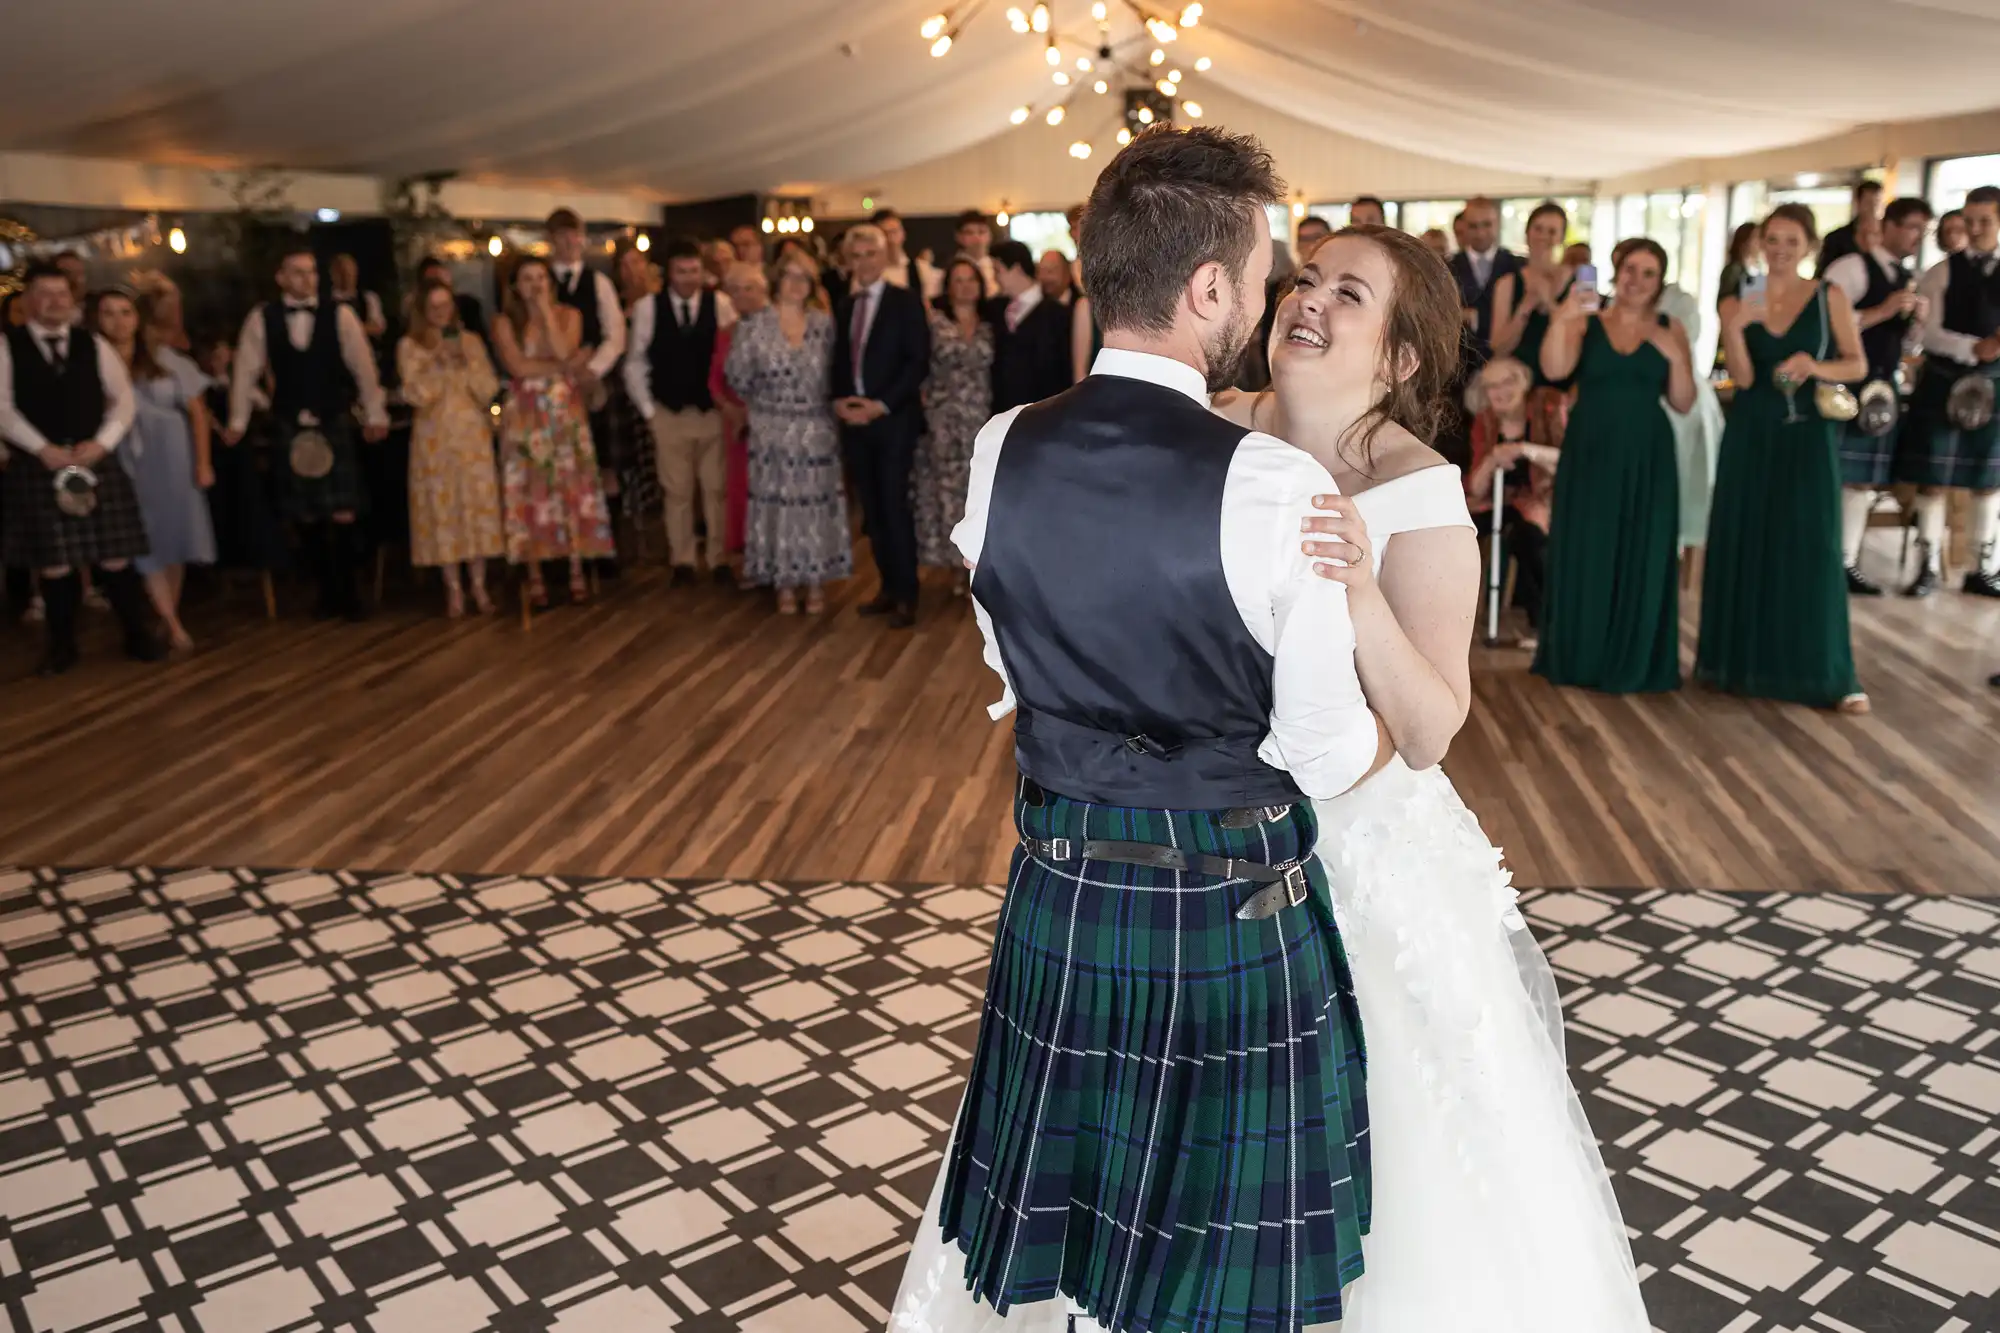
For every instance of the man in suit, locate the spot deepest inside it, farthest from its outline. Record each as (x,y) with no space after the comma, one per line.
(1842,241)
(1478,266)
(881,355)
(1031,335)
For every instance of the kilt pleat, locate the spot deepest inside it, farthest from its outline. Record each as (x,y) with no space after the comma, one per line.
(1166,1119)
(1930,451)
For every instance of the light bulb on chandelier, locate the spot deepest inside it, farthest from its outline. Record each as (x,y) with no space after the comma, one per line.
(1040,22)
(1158,57)
(941,45)
(1051,54)
(1163,31)
(495,246)
(1098,12)
(932,26)
(1079,150)
(642,243)
(1193,110)
(1019,115)
(177,241)
(1001,216)
(1203,65)
(769,226)
(1055,115)
(1173,76)
(1190,16)
(1124,136)
(806,224)
(1017,20)
(1168,88)
(1145,114)
(1061,78)
(1083,64)
(1100,87)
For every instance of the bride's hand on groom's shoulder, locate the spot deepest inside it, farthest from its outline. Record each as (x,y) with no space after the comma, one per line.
(1336,537)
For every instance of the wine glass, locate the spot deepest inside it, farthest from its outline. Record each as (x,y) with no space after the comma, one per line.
(1789,387)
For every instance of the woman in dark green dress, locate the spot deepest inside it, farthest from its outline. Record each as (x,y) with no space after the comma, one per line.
(1611,608)
(1522,305)
(1774,590)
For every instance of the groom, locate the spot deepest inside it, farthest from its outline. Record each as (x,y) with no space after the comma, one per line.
(1165,1122)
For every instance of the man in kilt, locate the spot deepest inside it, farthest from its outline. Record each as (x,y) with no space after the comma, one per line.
(320,364)
(65,404)
(1961,340)
(1887,308)
(1165,1124)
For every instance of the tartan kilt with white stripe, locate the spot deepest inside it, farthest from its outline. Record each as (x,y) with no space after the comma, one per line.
(36,534)
(1930,451)
(1166,1117)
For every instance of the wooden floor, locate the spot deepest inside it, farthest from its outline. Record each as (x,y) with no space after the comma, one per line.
(690,732)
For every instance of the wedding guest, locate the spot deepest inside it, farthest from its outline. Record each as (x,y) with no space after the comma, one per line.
(167,456)
(780,360)
(749,291)
(67,401)
(881,354)
(166,327)
(1774,616)
(1480,267)
(1367,211)
(1576,255)
(975,242)
(673,349)
(640,496)
(344,286)
(1312,232)
(901,268)
(958,400)
(1524,300)
(1847,240)
(454,495)
(1743,261)
(471,313)
(1052,275)
(1033,352)
(593,295)
(1611,612)
(74,272)
(1437,242)
(1510,438)
(748,243)
(1951,231)
(320,364)
(717,258)
(554,503)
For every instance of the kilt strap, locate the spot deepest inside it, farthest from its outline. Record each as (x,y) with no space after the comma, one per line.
(1285,883)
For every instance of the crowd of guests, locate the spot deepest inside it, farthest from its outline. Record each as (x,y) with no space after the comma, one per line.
(747,398)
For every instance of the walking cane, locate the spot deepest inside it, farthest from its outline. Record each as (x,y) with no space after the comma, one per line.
(1493,560)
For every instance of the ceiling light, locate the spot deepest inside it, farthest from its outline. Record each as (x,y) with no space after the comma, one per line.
(1299,208)
(1079,150)
(1202,65)
(769,226)
(1158,57)
(1061,77)
(1019,21)
(1053,56)
(1100,87)
(1145,115)
(1083,64)
(1124,136)
(643,243)
(495,246)
(1162,30)
(1040,22)
(1097,11)
(1193,109)
(1001,216)
(1174,75)
(1055,115)
(1190,16)
(1168,88)
(1019,115)
(806,224)
(941,45)
(327,214)
(177,241)
(932,26)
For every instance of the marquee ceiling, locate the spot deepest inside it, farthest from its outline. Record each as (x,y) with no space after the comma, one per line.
(682,99)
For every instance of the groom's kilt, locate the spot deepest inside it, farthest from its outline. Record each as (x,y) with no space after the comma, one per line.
(1933,452)
(1165,1119)
(318,499)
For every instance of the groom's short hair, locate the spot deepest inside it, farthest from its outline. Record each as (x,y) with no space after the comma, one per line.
(1171,201)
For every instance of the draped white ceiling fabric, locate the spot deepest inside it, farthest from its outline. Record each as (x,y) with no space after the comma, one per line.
(689,99)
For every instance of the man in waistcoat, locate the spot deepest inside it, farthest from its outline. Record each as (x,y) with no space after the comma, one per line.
(666,372)
(1961,333)
(1181,687)
(65,405)
(1877,280)
(321,367)
(595,298)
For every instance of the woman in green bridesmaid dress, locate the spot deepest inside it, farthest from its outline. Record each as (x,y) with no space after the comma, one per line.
(1521,309)
(1774,589)
(1611,608)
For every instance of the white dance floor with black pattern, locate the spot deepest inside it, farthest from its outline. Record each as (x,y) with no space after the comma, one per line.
(237,1101)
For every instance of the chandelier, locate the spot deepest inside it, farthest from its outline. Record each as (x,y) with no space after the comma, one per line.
(1143,64)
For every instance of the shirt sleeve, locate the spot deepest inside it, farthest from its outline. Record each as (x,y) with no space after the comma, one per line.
(970,539)
(1939,340)
(725,311)
(1848,274)
(16,429)
(118,405)
(638,368)
(1322,732)
(360,359)
(611,316)
(373,304)
(250,363)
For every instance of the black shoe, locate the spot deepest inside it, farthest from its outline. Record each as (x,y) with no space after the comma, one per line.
(1979,583)
(881,606)
(127,595)
(1994,681)
(723,576)
(1860,585)
(1926,584)
(682,575)
(56,660)
(903,617)
(608,569)
(61,597)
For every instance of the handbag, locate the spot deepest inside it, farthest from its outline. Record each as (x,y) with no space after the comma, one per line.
(1836,402)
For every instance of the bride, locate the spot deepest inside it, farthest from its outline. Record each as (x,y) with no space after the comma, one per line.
(1492,1206)
(1492,1209)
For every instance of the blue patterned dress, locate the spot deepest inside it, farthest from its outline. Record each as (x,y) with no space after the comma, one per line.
(795,532)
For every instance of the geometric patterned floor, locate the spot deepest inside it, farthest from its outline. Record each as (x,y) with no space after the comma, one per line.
(236,1101)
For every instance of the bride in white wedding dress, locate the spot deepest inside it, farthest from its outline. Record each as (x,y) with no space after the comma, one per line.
(1492,1208)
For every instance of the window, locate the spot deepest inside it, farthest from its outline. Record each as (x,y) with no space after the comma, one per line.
(1041,232)
(1949,180)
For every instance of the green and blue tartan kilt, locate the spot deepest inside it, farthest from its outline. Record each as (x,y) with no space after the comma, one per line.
(318,499)
(1867,460)
(1930,451)
(1166,1118)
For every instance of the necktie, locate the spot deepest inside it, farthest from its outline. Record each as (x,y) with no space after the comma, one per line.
(686,309)
(1482,266)
(58,352)
(859,332)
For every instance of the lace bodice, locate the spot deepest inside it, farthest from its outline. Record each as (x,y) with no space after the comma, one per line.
(1431,497)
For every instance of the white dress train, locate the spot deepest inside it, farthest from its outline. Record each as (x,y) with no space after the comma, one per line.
(1492,1207)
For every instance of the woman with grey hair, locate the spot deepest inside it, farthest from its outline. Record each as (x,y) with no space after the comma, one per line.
(749,291)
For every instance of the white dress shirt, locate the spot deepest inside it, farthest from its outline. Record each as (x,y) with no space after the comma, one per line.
(1482,264)
(1321,730)
(252,360)
(1019,307)
(929,281)
(683,310)
(19,432)
(1939,340)
(609,314)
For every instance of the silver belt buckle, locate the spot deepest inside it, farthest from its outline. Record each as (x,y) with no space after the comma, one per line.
(1296,886)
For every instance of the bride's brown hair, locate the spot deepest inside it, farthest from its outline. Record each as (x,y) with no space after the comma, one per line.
(1421,332)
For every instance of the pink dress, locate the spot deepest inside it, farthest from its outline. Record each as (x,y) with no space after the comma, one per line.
(736,446)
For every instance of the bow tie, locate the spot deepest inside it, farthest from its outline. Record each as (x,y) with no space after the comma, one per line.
(309,307)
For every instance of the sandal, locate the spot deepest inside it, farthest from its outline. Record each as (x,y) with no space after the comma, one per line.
(788,602)
(481,601)
(579,587)
(1854,705)
(815,602)
(538,594)
(454,602)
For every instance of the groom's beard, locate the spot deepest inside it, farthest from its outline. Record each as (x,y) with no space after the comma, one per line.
(1225,353)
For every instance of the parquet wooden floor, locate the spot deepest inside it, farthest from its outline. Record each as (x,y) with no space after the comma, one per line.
(691,732)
